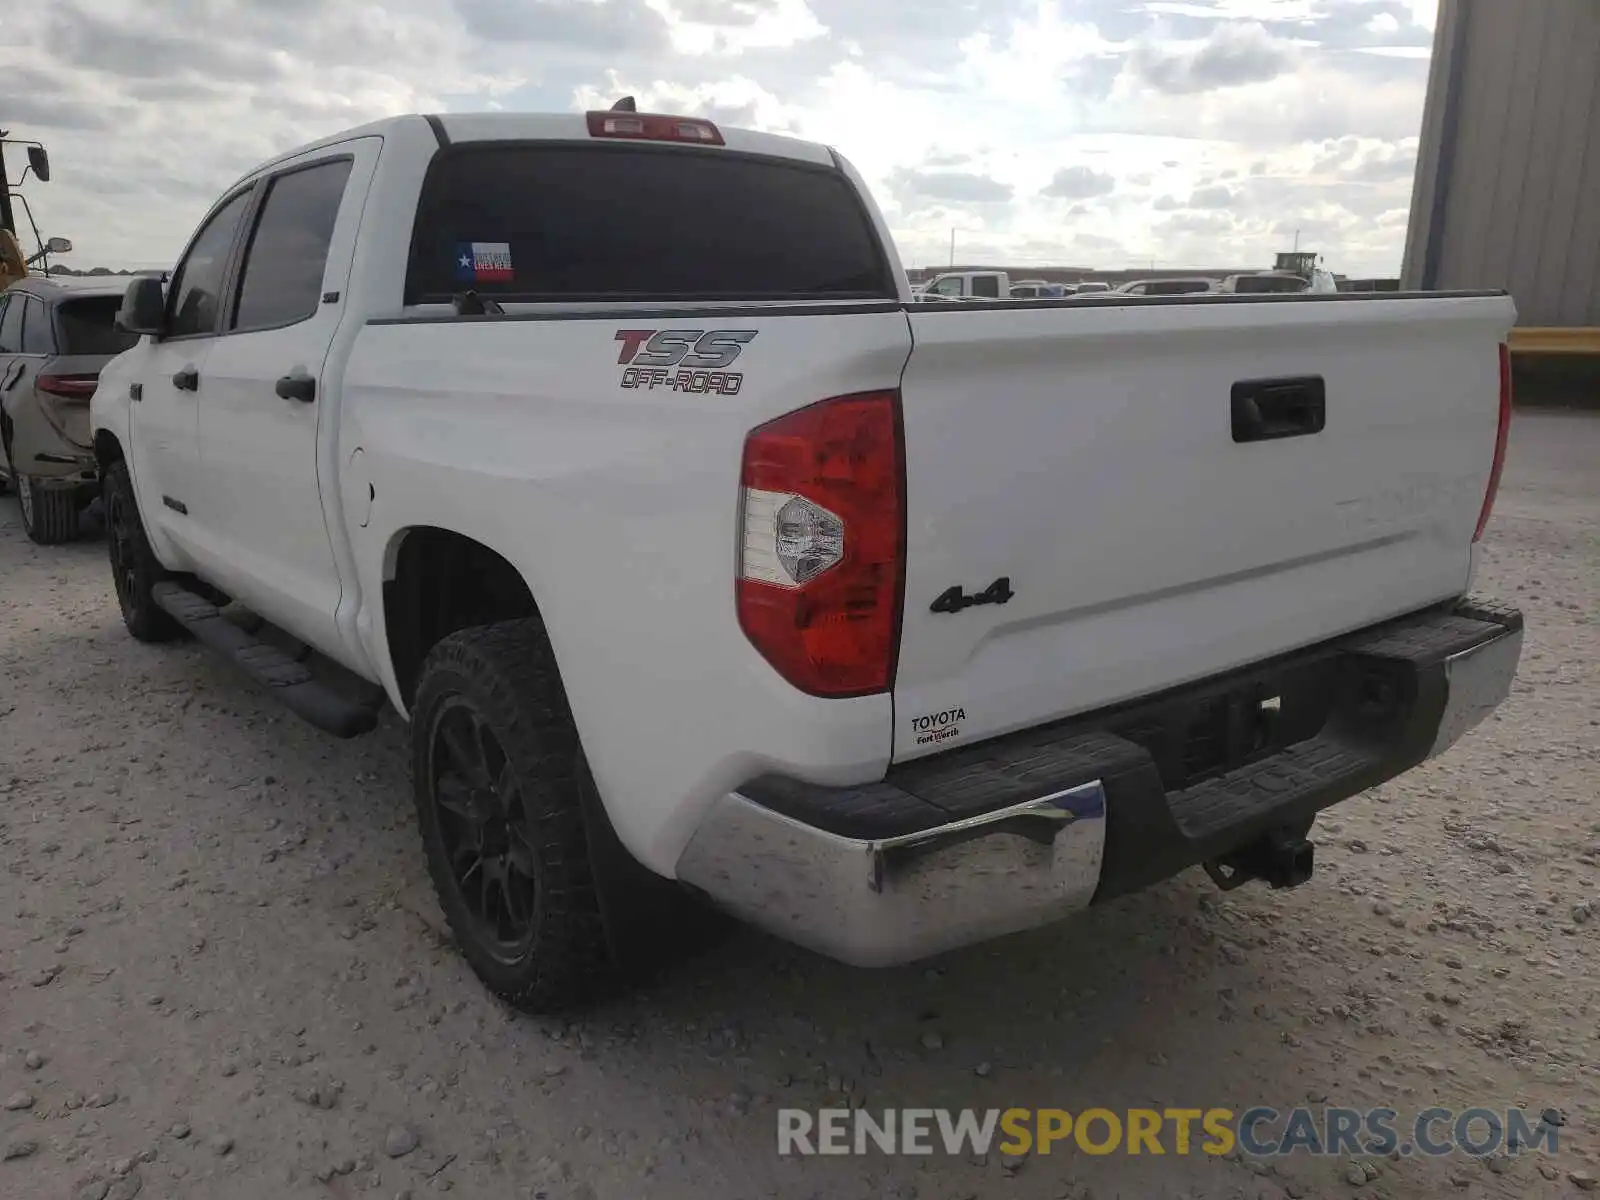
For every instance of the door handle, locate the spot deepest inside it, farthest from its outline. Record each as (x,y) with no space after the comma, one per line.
(297,385)
(186,380)
(136,391)
(1265,410)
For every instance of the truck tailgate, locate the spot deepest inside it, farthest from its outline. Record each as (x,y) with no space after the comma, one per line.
(1154,482)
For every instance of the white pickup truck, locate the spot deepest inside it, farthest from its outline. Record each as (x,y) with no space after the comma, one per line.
(702,561)
(967,285)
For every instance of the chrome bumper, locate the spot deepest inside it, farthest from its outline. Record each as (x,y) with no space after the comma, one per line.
(1478,680)
(895,900)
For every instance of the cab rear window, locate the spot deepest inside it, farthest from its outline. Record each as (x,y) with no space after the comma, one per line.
(574,221)
(88,326)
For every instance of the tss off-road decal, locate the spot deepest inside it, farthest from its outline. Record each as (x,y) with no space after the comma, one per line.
(684,360)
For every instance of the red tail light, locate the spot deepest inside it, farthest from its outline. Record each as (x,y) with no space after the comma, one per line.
(822,548)
(68,387)
(653,127)
(1500,438)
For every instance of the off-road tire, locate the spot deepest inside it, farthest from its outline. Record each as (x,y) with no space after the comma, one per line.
(134,567)
(507,674)
(49,515)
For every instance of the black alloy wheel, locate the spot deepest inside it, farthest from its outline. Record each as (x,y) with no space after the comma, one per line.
(121,531)
(135,570)
(484,830)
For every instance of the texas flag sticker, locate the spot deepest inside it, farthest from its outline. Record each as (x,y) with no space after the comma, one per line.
(483,262)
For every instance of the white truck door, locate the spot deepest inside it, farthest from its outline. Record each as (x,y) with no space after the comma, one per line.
(163,412)
(263,399)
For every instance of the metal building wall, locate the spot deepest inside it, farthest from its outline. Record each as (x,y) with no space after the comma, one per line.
(1508,173)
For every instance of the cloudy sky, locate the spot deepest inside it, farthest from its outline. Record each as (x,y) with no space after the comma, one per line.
(1100,132)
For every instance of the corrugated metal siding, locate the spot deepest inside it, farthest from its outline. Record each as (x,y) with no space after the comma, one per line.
(1508,174)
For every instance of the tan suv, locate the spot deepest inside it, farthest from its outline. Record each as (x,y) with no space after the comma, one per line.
(55,336)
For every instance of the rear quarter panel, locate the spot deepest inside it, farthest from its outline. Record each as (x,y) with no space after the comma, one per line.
(620,509)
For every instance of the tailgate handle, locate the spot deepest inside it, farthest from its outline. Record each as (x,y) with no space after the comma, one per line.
(1267,409)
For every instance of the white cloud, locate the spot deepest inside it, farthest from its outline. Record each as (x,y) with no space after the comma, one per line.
(731,27)
(1080,183)
(1097,132)
(737,102)
(941,190)
(1234,55)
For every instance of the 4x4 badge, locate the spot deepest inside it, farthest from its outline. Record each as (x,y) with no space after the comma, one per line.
(954,600)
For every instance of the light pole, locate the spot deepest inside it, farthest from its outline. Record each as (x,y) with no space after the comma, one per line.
(8,222)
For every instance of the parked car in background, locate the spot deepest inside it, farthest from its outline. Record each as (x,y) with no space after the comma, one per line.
(1093,287)
(1038,289)
(1265,282)
(55,336)
(1167,287)
(968,285)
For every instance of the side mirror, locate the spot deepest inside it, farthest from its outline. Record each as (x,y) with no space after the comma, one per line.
(59,245)
(144,307)
(40,162)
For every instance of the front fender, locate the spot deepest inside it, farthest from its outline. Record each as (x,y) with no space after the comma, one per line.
(111,434)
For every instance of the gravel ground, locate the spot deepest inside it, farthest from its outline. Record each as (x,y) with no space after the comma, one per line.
(222,974)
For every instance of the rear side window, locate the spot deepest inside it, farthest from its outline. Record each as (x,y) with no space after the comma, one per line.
(575,221)
(196,289)
(89,326)
(282,279)
(987,286)
(37,336)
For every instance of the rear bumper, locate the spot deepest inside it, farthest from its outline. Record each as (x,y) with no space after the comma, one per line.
(1016,832)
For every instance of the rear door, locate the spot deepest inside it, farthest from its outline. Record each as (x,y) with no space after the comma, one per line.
(1091,458)
(261,400)
(12,310)
(30,430)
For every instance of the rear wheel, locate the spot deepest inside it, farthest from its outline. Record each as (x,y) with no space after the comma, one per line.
(499,777)
(135,569)
(49,515)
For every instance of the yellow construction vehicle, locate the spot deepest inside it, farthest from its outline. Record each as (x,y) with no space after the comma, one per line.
(14,262)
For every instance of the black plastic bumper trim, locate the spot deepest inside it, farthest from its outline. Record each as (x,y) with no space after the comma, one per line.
(1155,830)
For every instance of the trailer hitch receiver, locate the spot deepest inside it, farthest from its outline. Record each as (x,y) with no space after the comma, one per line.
(1278,859)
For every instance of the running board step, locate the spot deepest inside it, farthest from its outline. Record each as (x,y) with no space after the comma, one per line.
(286,680)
